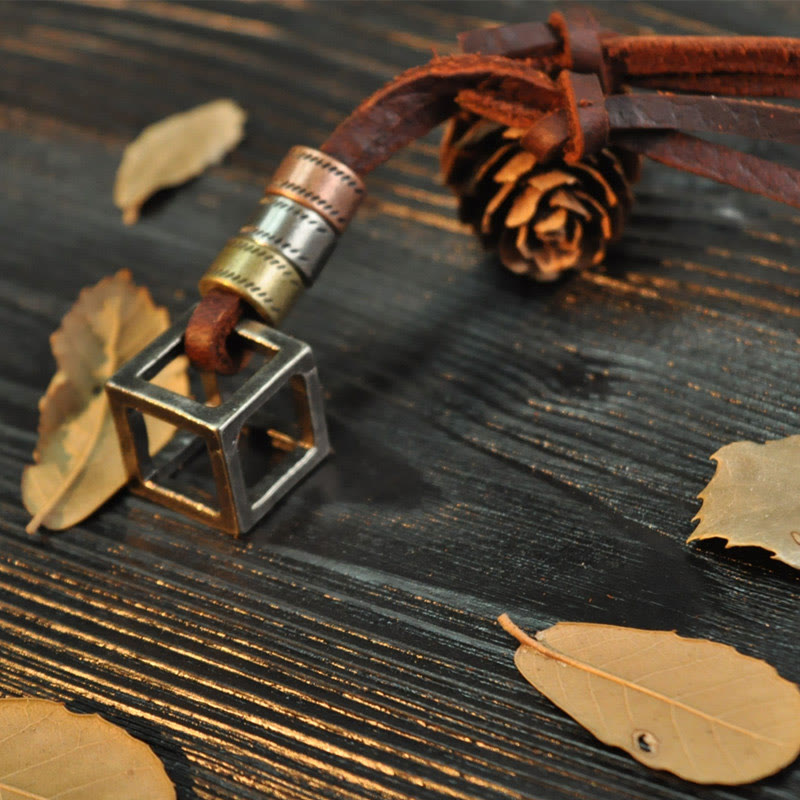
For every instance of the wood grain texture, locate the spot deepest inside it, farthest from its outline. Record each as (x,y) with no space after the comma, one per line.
(500,446)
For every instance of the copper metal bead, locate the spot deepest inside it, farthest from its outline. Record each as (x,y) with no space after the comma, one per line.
(320,182)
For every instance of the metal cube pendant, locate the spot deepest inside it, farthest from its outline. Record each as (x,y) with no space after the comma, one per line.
(218,426)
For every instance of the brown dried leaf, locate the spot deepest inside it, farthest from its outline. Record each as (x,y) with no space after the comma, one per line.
(78,463)
(175,149)
(696,708)
(754,498)
(50,752)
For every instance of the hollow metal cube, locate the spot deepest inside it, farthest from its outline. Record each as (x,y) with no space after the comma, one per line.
(131,394)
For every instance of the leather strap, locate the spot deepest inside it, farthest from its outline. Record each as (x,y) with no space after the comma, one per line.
(581,44)
(555,135)
(207,339)
(423,97)
(715,161)
(640,56)
(523,40)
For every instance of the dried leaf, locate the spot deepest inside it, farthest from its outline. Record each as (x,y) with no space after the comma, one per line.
(50,752)
(754,498)
(78,459)
(175,149)
(693,707)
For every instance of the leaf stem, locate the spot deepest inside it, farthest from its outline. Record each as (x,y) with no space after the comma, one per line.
(509,627)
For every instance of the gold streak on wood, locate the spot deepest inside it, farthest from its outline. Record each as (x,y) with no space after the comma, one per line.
(424,196)
(89,43)
(292,5)
(439,47)
(770,236)
(404,165)
(619,286)
(726,294)
(693,266)
(430,218)
(762,261)
(686,23)
(449,20)
(38,50)
(22,120)
(176,12)
(241,26)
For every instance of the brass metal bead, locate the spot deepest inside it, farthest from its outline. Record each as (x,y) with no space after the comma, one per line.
(259,274)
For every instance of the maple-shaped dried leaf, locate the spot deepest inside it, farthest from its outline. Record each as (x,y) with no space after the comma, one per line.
(754,498)
(78,461)
(175,149)
(693,707)
(49,752)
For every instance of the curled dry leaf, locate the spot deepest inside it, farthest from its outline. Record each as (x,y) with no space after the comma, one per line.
(693,707)
(50,752)
(175,149)
(78,460)
(754,498)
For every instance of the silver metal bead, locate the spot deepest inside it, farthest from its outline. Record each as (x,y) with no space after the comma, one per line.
(301,235)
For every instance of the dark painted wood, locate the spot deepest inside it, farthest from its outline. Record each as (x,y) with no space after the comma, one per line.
(500,446)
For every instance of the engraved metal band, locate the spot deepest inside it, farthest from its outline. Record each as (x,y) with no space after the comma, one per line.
(301,234)
(315,180)
(259,274)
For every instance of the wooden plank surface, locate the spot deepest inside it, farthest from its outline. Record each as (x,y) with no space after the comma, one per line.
(500,446)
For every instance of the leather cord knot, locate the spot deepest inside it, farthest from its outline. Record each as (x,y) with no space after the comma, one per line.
(580,128)
(581,45)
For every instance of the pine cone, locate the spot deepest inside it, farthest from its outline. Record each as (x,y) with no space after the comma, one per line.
(542,218)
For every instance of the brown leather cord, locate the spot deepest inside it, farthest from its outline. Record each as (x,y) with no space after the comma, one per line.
(715,161)
(581,43)
(420,99)
(208,335)
(586,112)
(632,57)
(738,84)
(523,40)
(753,119)
(640,56)
(554,135)
(490,104)
(572,86)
